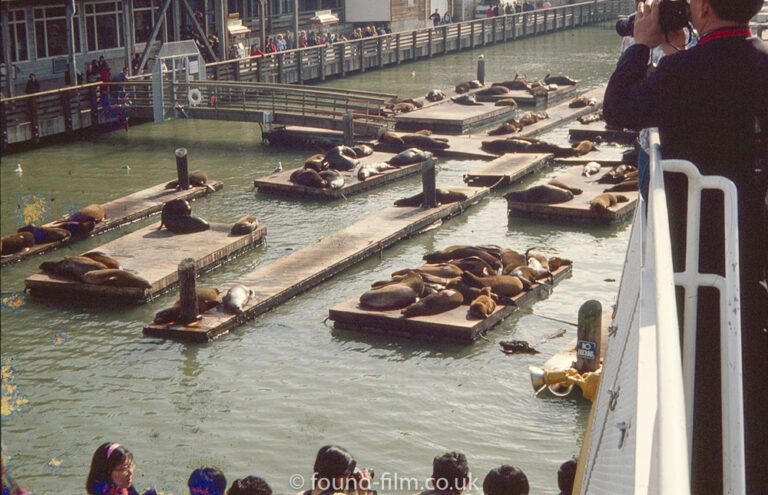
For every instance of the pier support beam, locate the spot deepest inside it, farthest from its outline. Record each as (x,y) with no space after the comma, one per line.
(589,335)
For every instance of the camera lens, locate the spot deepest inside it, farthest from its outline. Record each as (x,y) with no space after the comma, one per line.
(625,27)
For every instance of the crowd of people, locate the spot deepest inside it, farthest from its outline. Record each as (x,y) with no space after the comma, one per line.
(335,472)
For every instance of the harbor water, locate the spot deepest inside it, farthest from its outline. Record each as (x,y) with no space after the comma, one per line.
(264,398)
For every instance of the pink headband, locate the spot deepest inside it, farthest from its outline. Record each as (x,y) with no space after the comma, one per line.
(111,449)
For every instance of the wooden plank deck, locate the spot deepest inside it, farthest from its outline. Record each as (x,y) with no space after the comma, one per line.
(154,255)
(507,169)
(562,113)
(119,212)
(526,99)
(605,155)
(452,118)
(455,325)
(577,210)
(598,131)
(279,183)
(298,272)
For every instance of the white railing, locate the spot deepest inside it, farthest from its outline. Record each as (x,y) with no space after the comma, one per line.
(640,438)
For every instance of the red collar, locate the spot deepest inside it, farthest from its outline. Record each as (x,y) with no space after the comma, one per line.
(726,32)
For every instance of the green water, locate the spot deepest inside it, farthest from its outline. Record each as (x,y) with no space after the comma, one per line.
(262,399)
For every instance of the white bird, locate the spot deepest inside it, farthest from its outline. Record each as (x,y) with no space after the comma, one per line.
(19,170)
(127,167)
(279,167)
(413,73)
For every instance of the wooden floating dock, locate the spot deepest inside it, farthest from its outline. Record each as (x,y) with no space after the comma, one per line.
(455,325)
(120,212)
(605,155)
(578,210)
(279,183)
(562,113)
(526,99)
(462,147)
(154,255)
(298,272)
(507,169)
(599,131)
(451,118)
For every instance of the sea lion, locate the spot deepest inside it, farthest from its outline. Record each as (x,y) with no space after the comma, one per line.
(460,252)
(443,196)
(425,142)
(340,158)
(409,156)
(176,207)
(544,194)
(538,90)
(185,225)
(395,296)
(591,117)
(617,174)
(244,226)
(102,258)
(433,304)
(13,243)
(502,146)
(495,90)
(236,298)
(390,138)
(404,107)
(435,95)
(370,169)
(627,185)
(308,177)
(506,102)
(207,298)
(444,270)
(590,169)
(423,132)
(602,202)
(558,183)
(45,235)
(581,102)
(466,100)
(73,267)
(462,87)
(333,177)
(316,163)
(474,84)
(197,178)
(505,128)
(556,262)
(476,265)
(482,306)
(91,212)
(503,285)
(584,147)
(75,228)
(559,80)
(511,259)
(362,150)
(116,278)
(410,278)
(517,347)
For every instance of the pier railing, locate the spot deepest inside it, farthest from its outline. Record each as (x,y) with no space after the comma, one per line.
(340,58)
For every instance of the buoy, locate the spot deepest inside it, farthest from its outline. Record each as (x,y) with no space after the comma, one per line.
(195,97)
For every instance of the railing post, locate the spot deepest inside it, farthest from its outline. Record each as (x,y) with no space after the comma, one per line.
(342,58)
(472,35)
(323,52)
(445,40)
(483,33)
(299,66)
(429,43)
(349,129)
(397,48)
(429,192)
(380,49)
(589,336)
(362,55)
(187,292)
(259,69)
(182,170)
(236,69)
(458,37)
(414,45)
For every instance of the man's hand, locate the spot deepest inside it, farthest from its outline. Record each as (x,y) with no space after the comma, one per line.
(647,28)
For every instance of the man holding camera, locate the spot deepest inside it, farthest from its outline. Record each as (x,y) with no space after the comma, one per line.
(710,104)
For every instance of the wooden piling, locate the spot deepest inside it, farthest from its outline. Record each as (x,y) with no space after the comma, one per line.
(588,345)
(349,129)
(428,184)
(182,170)
(188,294)
(481,69)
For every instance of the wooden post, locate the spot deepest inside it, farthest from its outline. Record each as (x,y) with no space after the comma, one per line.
(429,42)
(66,105)
(589,334)
(380,49)
(472,35)
(299,65)
(182,170)
(481,69)
(34,119)
(323,52)
(397,48)
(362,55)
(342,57)
(413,36)
(280,60)
(187,295)
(458,37)
(428,182)
(349,129)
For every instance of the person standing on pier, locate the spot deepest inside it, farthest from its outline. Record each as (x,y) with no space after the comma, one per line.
(33,85)
(435,18)
(711,107)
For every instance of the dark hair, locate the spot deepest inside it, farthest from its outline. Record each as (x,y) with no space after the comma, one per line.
(450,471)
(565,476)
(736,10)
(333,461)
(106,458)
(250,485)
(505,480)
(208,477)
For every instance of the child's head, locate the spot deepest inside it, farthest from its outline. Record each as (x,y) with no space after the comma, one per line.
(250,485)
(111,463)
(207,480)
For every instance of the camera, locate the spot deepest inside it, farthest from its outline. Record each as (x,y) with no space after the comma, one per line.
(673,15)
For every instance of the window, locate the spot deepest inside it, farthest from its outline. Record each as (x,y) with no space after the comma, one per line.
(50,31)
(144,14)
(103,23)
(17,28)
(330,4)
(307,5)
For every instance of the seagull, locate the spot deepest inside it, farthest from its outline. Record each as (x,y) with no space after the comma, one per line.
(19,170)
(413,73)
(127,167)
(279,167)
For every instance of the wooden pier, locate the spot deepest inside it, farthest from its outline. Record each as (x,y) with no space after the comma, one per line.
(599,131)
(298,272)
(119,212)
(577,209)
(507,169)
(455,325)
(279,183)
(154,255)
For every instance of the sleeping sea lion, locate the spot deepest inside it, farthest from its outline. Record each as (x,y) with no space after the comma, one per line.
(581,102)
(444,270)
(236,298)
(425,142)
(333,177)
(627,185)
(403,107)
(92,212)
(494,90)
(435,95)
(584,147)
(511,259)
(559,80)
(395,296)
(409,156)
(341,158)
(44,235)
(116,278)
(244,226)
(462,87)
(433,304)
(197,178)
(557,183)
(362,150)
(475,264)
(466,100)
(207,298)
(503,285)
(474,84)
(102,258)
(602,202)
(505,128)
(482,306)
(590,169)
(423,132)
(316,163)
(390,138)
(460,252)
(544,194)
(366,170)
(506,102)
(556,262)
(591,117)
(443,196)
(73,267)
(75,228)
(13,243)
(307,177)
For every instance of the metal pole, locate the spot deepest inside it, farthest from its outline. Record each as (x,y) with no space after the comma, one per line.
(153,36)
(70,13)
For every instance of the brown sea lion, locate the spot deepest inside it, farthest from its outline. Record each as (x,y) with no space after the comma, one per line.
(435,95)
(494,90)
(316,163)
(423,132)
(362,150)
(75,228)
(503,285)
(618,174)
(116,278)
(13,243)
(444,197)
(558,183)
(517,83)
(483,306)
(591,117)
(446,270)
(308,177)
(44,234)
(627,185)
(559,80)
(474,264)
(102,258)
(433,304)
(466,100)
(409,156)
(462,251)
(410,278)
(394,296)
(244,226)
(602,202)
(556,262)
(584,147)
(506,102)
(581,102)
(404,107)
(538,90)
(462,87)
(505,128)
(197,178)
(511,259)
(544,194)
(207,298)
(92,212)
(425,142)
(390,138)
(73,267)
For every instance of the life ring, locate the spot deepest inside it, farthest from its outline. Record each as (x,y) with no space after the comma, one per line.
(195,97)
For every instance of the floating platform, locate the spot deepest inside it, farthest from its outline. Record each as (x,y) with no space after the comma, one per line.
(507,169)
(120,212)
(526,99)
(599,131)
(605,155)
(562,113)
(451,118)
(298,272)
(455,325)
(279,183)
(578,210)
(154,255)
(462,147)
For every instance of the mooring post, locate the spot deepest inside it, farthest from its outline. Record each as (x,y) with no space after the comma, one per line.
(188,293)
(481,69)
(428,184)
(589,336)
(182,170)
(349,129)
